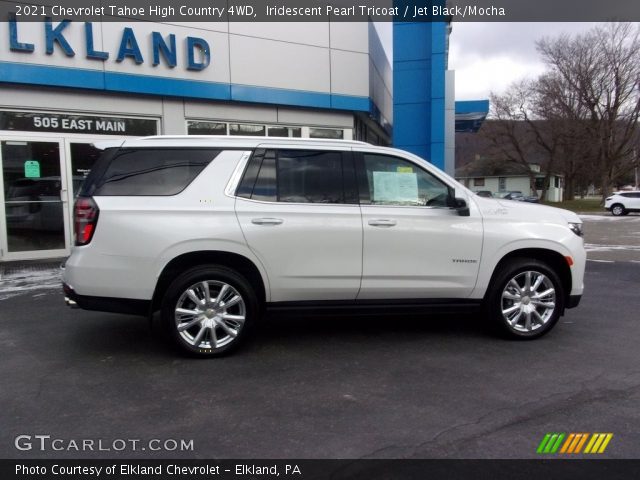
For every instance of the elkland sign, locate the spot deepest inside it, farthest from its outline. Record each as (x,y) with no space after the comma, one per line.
(195,53)
(153,58)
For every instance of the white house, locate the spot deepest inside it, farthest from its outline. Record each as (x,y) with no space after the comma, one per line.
(503,177)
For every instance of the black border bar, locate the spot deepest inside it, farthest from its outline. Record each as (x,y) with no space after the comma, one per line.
(545,469)
(323,10)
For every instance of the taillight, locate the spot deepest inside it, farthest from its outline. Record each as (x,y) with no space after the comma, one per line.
(85,219)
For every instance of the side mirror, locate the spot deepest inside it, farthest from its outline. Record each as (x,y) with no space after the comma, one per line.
(461,207)
(457,202)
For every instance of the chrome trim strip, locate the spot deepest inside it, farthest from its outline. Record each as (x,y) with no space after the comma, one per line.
(234,181)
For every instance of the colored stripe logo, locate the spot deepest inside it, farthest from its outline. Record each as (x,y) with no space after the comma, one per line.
(573,443)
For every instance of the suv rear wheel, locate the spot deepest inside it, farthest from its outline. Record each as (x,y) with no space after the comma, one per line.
(527,299)
(208,310)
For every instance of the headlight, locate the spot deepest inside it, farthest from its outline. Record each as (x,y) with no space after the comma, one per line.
(576,228)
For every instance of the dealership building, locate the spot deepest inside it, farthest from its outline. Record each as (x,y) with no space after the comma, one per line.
(67,84)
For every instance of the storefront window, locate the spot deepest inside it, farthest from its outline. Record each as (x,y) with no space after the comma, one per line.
(326,133)
(206,128)
(247,130)
(293,132)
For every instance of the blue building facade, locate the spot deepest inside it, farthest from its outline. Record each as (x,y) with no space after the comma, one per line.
(420,52)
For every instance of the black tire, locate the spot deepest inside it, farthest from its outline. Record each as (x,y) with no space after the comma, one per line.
(222,329)
(503,297)
(618,210)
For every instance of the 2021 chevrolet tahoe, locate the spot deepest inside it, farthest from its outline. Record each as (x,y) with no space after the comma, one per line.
(211,231)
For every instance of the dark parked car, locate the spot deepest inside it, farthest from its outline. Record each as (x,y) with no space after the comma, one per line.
(484,193)
(518,196)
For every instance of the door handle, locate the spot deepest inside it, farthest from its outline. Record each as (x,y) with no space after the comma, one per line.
(382,222)
(266,221)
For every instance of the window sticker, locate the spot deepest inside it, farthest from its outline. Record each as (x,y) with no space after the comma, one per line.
(394,187)
(404,169)
(32,169)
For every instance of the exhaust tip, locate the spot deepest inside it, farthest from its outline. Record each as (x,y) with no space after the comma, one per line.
(70,303)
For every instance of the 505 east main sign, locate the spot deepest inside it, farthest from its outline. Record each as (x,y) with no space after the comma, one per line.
(195,52)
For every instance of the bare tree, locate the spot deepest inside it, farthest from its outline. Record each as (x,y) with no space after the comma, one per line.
(601,70)
(508,141)
(526,131)
(558,104)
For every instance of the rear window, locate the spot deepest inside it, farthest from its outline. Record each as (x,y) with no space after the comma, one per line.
(146,172)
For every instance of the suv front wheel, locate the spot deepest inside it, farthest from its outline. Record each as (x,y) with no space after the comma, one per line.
(618,210)
(527,299)
(208,310)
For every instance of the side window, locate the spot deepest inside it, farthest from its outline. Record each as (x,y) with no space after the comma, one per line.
(306,176)
(152,171)
(300,176)
(395,181)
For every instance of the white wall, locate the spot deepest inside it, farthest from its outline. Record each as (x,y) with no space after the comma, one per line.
(450,122)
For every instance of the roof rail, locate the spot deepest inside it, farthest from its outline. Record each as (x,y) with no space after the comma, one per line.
(239,138)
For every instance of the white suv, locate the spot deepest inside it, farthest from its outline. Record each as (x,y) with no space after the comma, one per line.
(213,231)
(621,203)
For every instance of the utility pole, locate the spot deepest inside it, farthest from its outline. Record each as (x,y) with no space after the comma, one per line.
(635,157)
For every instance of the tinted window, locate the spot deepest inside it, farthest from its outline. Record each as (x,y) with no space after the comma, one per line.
(300,176)
(97,171)
(152,171)
(245,188)
(310,176)
(265,186)
(394,181)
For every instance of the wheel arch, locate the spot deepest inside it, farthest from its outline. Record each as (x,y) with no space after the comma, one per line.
(235,261)
(554,259)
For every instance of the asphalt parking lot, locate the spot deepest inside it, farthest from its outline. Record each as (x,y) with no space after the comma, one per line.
(382,387)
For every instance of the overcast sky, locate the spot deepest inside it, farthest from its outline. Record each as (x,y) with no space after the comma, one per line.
(490,56)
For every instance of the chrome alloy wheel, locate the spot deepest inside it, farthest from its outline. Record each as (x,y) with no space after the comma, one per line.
(210,314)
(528,301)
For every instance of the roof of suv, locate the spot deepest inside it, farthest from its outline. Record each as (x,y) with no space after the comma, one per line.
(224,141)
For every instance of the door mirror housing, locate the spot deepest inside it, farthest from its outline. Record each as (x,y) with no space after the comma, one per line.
(461,207)
(459,203)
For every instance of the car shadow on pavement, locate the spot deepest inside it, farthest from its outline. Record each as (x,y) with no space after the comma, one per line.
(116,335)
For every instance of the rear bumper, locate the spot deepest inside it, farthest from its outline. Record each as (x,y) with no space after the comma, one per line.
(127,306)
(574,301)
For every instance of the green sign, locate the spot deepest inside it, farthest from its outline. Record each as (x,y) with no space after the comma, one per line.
(32,169)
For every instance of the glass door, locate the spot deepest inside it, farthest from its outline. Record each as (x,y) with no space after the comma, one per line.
(34,208)
(81,156)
